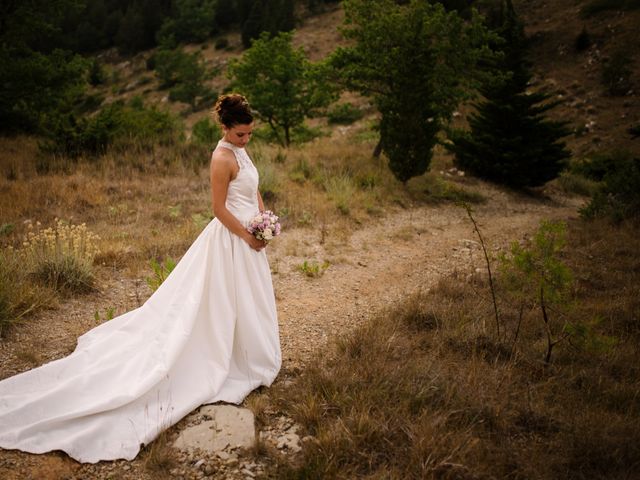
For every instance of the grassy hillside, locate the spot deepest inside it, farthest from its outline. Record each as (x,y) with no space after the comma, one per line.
(422,388)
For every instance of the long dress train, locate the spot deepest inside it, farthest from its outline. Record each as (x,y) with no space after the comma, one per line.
(208,334)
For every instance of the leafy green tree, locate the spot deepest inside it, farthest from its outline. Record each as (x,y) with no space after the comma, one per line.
(184,73)
(417,62)
(137,30)
(511,141)
(271,16)
(191,21)
(281,84)
(36,77)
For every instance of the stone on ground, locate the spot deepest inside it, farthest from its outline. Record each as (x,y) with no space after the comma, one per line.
(222,427)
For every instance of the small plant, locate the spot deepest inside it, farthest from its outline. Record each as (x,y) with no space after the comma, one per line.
(469,211)
(269,181)
(175,211)
(205,132)
(302,171)
(18,297)
(61,257)
(313,269)
(221,43)
(616,73)
(201,220)
(344,114)
(618,195)
(160,272)
(541,280)
(109,314)
(340,190)
(583,40)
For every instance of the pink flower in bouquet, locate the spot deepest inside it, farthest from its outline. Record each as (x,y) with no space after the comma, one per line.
(265,226)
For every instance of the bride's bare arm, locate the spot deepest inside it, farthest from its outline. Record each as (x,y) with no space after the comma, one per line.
(260,202)
(224,169)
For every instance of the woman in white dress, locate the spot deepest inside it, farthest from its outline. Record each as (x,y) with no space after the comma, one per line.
(208,334)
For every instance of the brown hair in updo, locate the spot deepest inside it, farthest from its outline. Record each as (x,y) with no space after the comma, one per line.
(232,109)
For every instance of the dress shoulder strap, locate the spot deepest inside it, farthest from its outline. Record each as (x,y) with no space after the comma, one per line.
(236,151)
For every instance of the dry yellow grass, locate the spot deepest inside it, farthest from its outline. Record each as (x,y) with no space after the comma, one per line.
(422,391)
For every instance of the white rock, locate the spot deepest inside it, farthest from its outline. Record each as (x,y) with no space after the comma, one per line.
(229,426)
(290,441)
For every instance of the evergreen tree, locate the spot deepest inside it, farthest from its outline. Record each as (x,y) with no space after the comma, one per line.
(270,16)
(36,78)
(416,61)
(191,21)
(510,141)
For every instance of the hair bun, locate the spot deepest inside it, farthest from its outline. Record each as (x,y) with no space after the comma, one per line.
(232,109)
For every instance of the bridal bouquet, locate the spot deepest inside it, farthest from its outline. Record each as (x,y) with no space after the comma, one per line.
(264,226)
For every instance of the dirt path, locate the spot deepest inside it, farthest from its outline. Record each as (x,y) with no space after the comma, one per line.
(370,269)
(393,257)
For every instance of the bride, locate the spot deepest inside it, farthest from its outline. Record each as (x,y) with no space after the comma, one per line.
(208,334)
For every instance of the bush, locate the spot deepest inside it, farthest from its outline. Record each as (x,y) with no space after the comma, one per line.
(619,194)
(61,257)
(97,74)
(616,73)
(344,114)
(160,272)
(17,296)
(340,190)
(583,40)
(205,132)
(269,180)
(221,43)
(182,72)
(116,124)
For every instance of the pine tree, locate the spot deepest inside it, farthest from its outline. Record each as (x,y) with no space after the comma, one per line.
(510,140)
(417,62)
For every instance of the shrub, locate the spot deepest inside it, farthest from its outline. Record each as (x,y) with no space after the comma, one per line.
(344,113)
(618,196)
(540,280)
(18,297)
(583,40)
(340,190)
(61,257)
(616,73)
(205,132)
(269,181)
(182,72)
(97,74)
(313,269)
(221,43)
(116,124)
(160,272)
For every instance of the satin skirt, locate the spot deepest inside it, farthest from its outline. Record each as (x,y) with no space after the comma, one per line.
(208,334)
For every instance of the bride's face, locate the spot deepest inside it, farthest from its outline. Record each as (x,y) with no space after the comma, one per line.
(239,135)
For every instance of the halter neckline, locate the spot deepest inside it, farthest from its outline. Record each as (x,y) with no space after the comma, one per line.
(229,145)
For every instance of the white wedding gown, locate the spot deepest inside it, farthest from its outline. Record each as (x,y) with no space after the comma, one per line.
(208,334)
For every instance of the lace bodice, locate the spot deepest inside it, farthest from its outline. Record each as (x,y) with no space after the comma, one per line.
(242,195)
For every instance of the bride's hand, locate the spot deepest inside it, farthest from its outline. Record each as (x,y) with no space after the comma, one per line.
(254,243)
